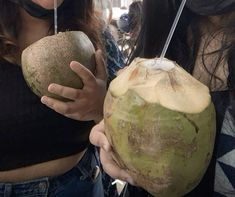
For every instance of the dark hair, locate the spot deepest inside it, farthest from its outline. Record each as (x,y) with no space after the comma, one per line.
(135,14)
(79,15)
(158,17)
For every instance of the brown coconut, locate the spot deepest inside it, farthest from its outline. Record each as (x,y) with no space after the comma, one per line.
(47,61)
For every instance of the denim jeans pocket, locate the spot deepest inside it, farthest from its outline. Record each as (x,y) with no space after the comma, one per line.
(83,180)
(89,166)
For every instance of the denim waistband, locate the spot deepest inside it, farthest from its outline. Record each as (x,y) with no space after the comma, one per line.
(40,187)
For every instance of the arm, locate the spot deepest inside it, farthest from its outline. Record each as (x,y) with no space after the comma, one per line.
(87,103)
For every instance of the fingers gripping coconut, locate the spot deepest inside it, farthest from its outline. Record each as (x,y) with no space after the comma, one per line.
(160,122)
(47,61)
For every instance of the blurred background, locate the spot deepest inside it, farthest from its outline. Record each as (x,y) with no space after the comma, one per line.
(122,18)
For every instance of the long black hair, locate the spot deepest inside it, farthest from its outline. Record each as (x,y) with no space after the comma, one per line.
(157,19)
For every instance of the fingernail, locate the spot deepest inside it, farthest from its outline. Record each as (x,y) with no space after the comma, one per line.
(43,100)
(50,87)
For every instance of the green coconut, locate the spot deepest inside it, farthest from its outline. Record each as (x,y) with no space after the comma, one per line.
(47,61)
(160,122)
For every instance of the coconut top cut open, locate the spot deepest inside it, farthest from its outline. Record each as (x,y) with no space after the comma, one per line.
(164,82)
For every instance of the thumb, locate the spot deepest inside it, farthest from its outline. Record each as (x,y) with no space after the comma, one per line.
(98,138)
(101,71)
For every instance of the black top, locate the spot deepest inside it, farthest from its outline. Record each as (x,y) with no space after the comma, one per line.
(30,132)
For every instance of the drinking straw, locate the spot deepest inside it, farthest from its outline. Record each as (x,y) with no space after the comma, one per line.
(55,16)
(172,29)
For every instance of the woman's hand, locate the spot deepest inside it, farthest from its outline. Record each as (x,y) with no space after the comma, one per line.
(98,138)
(87,103)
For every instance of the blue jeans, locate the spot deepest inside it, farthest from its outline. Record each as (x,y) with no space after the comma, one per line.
(84,180)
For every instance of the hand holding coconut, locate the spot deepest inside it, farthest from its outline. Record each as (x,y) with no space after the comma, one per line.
(77,91)
(161,124)
(83,104)
(98,138)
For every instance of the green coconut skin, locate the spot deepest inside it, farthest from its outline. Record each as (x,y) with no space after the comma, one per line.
(47,61)
(166,152)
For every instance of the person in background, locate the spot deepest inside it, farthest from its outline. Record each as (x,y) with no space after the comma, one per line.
(135,14)
(204,45)
(44,143)
(129,25)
